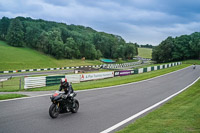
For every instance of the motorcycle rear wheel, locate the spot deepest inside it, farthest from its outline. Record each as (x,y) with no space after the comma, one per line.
(53,112)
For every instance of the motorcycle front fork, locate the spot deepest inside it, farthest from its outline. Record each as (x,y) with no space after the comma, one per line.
(57,107)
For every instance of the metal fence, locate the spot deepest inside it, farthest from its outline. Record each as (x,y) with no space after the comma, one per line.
(11,83)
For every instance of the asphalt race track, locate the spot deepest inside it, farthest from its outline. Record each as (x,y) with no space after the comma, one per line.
(99,109)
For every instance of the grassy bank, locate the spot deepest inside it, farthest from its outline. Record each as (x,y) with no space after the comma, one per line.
(145,52)
(15,58)
(10,96)
(179,115)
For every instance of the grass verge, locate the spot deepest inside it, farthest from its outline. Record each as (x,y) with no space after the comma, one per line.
(11,96)
(180,115)
(197,62)
(10,85)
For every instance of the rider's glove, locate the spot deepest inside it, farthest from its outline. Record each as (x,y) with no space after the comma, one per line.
(64,97)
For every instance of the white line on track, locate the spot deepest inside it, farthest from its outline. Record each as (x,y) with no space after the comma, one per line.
(145,110)
(97,88)
(24,98)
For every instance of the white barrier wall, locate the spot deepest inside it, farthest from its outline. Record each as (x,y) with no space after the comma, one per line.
(148,69)
(75,78)
(140,70)
(34,82)
(155,67)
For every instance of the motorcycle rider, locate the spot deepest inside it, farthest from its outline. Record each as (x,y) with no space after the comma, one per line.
(194,66)
(66,86)
(67,89)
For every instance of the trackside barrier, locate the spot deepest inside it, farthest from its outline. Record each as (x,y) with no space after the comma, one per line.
(53,80)
(95,76)
(34,82)
(75,78)
(148,69)
(143,70)
(123,72)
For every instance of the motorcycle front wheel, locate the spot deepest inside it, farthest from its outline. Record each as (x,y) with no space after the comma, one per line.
(54,111)
(76,106)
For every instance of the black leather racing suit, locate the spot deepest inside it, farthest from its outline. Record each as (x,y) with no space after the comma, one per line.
(67,88)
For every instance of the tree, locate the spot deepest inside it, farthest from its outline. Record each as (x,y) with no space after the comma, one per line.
(130,50)
(181,49)
(15,34)
(163,52)
(195,45)
(33,32)
(74,52)
(4,24)
(63,41)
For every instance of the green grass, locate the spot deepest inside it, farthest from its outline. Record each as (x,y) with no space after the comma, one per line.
(115,80)
(14,58)
(120,61)
(10,96)
(10,85)
(179,115)
(145,52)
(197,62)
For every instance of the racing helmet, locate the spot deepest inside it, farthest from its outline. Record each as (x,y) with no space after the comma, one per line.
(63,81)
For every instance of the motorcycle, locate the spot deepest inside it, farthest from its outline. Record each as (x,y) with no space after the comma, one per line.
(194,66)
(63,104)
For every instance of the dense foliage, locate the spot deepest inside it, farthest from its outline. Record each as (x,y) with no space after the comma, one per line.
(147,46)
(178,48)
(64,41)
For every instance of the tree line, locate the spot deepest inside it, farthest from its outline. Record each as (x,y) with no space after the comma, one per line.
(178,48)
(146,46)
(64,41)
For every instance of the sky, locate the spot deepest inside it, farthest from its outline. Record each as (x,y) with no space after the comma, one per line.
(140,21)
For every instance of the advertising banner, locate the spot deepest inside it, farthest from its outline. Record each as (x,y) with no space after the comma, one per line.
(124,72)
(94,76)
